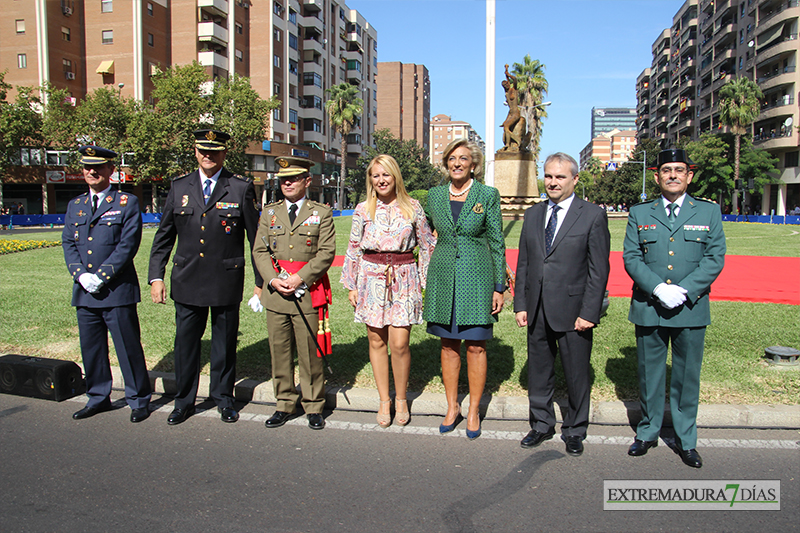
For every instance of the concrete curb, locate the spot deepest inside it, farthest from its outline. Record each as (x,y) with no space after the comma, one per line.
(502,407)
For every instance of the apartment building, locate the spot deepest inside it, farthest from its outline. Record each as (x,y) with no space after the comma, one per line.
(710,43)
(613,146)
(293,49)
(444,130)
(404,101)
(605,119)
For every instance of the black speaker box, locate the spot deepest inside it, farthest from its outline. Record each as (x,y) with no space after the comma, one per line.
(37,377)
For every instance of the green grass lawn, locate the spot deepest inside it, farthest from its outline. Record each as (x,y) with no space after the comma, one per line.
(36,318)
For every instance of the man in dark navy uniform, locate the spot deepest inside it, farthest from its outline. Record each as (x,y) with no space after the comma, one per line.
(208,212)
(102,232)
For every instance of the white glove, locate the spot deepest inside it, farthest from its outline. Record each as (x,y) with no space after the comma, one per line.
(670,296)
(255,304)
(90,282)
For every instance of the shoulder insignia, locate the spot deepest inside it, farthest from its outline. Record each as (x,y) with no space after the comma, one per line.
(180,177)
(709,200)
(243,178)
(279,202)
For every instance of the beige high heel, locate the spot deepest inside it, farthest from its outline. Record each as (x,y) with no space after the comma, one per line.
(401,416)
(384,421)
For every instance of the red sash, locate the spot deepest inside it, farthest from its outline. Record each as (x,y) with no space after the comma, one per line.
(321,297)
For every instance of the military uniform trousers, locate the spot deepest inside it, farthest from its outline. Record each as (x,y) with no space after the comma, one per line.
(684,395)
(286,331)
(190,324)
(94,325)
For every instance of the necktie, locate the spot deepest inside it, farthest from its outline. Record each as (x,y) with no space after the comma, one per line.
(206,191)
(292,213)
(550,230)
(673,212)
(94,203)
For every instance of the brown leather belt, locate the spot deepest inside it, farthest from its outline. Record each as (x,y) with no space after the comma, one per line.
(389,258)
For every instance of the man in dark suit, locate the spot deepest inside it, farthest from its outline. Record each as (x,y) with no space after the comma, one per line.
(674,249)
(102,233)
(561,281)
(208,212)
(300,235)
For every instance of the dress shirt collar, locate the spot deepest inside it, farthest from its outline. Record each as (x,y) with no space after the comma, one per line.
(678,202)
(564,204)
(298,203)
(100,195)
(213,178)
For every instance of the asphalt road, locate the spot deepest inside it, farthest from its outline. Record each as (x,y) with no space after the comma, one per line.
(106,474)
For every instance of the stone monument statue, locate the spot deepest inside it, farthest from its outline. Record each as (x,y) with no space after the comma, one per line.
(516,136)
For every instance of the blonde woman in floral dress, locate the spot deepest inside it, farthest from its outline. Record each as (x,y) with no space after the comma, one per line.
(384,281)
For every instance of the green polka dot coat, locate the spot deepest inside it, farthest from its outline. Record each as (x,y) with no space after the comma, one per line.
(469,259)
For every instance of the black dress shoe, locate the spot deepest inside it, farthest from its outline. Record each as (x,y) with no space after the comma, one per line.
(179,415)
(139,414)
(315,421)
(535,438)
(278,419)
(640,447)
(87,411)
(574,445)
(228,414)
(691,458)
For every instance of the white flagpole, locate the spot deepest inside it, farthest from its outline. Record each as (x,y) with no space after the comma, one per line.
(490,90)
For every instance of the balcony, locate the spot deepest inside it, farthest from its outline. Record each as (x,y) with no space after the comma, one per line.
(311,46)
(313,5)
(354,75)
(312,136)
(776,77)
(212,59)
(787,10)
(777,109)
(211,32)
(780,45)
(313,25)
(723,56)
(720,81)
(311,113)
(215,7)
(773,136)
(313,67)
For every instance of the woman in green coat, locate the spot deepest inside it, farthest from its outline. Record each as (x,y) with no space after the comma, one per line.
(466,276)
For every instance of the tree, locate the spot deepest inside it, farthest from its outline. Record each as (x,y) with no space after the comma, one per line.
(738,108)
(713,175)
(344,107)
(532,87)
(418,173)
(624,186)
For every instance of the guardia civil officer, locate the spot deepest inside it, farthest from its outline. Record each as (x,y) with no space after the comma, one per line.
(674,249)
(208,211)
(102,233)
(295,236)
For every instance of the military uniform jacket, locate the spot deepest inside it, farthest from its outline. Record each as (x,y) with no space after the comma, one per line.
(311,239)
(209,262)
(690,254)
(104,244)
(469,259)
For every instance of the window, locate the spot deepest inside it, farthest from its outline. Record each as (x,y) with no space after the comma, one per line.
(293,41)
(293,66)
(293,115)
(341,14)
(354,64)
(276,34)
(108,36)
(374,94)
(67,65)
(239,55)
(276,61)
(22,61)
(312,124)
(239,28)
(57,158)
(276,114)
(278,9)
(276,89)
(106,6)
(791,159)
(151,41)
(312,102)
(66,34)
(292,16)
(292,90)
(312,78)
(150,8)
(20,26)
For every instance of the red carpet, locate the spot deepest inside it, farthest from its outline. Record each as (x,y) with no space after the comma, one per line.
(745,278)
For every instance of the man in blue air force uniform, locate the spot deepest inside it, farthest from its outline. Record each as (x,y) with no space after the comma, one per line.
(102,232)
(674,249)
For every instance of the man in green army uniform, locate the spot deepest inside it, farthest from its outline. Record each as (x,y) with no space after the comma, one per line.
(674,249)
(298,235)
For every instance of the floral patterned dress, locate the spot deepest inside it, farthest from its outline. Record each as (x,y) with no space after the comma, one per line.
(401,305)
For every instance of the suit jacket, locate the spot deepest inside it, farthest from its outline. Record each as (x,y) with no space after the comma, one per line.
(104,244)
(469,259)
(311,239)
(208,265)
(570,280)
(690,254)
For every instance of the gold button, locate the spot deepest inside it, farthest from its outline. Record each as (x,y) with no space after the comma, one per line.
(671,252)
(669,282)
(91,238)
(698,238)
(89,265)
(89,252)
(669,267)
(645,240)
(183,212)
(204,215)
(291,260)
(229,215)
(291,233)
(110,224)
(309,233)
(201,254)
(672,239)
(91,225)
(202,241)
(202,228)
(291,246)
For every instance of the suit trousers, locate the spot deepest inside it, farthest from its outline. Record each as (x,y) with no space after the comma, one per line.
(286,332)
(684,389)
(94,325)
(575,349)
(190,324)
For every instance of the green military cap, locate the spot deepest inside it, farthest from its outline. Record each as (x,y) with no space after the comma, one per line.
(293,166)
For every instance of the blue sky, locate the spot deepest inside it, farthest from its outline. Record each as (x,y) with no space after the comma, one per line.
(593,51)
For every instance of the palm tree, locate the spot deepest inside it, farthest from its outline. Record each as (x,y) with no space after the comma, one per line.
(532,87)
(344,107)
(739,107)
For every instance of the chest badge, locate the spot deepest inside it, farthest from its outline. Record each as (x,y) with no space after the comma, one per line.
(478,208)
(185,200)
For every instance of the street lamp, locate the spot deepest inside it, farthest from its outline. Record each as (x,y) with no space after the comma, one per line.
(644,171)
(121,85)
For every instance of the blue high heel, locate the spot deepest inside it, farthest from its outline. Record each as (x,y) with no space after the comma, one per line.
(448,428)
(472,435)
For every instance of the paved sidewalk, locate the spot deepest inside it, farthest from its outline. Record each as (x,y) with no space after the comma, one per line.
(500,407)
